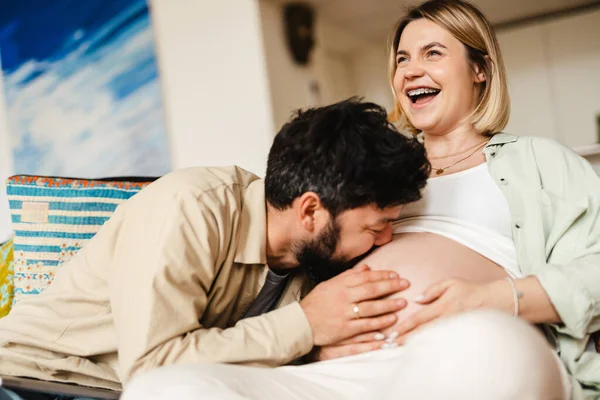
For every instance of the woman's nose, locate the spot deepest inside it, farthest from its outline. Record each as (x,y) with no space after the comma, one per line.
(414,69)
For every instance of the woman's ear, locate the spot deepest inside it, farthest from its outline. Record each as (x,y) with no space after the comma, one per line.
(479,70)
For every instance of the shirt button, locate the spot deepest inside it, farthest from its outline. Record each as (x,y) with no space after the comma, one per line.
(517,226)
(503,181)
(493,154)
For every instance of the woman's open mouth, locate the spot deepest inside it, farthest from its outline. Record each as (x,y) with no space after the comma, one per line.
(422,96)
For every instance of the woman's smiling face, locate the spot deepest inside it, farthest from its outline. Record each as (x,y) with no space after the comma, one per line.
(435,83)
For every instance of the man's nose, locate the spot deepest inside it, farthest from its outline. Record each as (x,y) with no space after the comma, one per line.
(385,236)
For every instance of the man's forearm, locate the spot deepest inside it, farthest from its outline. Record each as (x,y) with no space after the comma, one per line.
(271,339)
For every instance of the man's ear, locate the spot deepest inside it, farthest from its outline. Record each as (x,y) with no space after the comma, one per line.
(311,211)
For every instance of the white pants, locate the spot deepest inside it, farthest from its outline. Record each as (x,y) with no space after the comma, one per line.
(476,355)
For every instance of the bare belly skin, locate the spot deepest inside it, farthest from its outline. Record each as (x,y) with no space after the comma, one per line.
(426,258)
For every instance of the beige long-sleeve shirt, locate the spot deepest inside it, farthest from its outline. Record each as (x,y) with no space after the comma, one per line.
(165,281)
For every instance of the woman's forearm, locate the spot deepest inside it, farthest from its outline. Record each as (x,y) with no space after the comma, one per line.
(534,305)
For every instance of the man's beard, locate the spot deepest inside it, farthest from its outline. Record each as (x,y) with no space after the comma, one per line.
(316,256)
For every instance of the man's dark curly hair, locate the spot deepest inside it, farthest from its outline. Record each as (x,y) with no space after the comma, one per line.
(349,155)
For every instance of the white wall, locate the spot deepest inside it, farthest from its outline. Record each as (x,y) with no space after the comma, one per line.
(528,75)
(6,168)
(573,45)
(370,72)
(213,74)
(554,77)
(289,84)
(330,70)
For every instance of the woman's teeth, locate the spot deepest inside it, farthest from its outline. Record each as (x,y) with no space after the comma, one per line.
(416,93)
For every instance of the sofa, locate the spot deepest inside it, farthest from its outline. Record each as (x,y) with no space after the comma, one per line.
(52,218)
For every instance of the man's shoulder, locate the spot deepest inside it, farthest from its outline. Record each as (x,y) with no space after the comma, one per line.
(197,181)
(221,190)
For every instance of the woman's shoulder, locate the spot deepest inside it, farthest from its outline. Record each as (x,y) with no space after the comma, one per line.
(538,142)
(536,145)
(553,160)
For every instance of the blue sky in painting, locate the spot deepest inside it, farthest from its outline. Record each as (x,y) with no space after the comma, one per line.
(82,88)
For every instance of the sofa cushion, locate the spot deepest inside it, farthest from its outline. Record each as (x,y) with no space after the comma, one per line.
(6,277)
(53,218)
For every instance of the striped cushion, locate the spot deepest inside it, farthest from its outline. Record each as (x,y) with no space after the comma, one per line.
(53,218)
(6,277)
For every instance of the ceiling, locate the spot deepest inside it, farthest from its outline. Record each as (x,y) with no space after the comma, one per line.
(373,19)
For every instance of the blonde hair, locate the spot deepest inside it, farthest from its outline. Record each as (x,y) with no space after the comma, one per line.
(468,25)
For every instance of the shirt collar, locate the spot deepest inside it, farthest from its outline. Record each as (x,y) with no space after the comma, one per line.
(496,140)
(252,232)
(502,138)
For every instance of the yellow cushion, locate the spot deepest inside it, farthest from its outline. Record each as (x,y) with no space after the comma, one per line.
(6,277)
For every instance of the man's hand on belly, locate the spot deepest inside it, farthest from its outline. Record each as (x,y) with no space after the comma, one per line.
(356,345)
(347,313)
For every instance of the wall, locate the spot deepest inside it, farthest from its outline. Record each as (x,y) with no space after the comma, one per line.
(529,83)
(370,73)
(335,72)
(554,77)
(6,169)
(215,90)
(289,84)
(214,81)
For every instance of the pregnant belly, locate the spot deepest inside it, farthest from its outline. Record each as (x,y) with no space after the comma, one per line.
(426,258)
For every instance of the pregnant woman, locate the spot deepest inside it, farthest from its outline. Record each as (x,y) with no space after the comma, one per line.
(502,252)
(505,222)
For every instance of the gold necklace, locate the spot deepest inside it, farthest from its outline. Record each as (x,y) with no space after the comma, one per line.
(460,152)
(439,171)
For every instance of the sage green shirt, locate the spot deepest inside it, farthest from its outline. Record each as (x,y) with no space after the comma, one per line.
(554,200)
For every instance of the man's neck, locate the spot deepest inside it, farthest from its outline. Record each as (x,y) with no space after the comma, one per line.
(279,241)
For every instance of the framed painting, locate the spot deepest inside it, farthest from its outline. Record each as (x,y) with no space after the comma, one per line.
(82,88)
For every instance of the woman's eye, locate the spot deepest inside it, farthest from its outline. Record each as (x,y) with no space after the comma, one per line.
(401,60)
(433,53)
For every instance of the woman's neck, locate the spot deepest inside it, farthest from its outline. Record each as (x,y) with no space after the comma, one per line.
(460,138)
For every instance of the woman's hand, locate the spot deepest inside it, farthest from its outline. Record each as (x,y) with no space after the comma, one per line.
(452,297)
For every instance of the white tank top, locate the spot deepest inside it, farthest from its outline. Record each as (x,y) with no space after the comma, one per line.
(469,208)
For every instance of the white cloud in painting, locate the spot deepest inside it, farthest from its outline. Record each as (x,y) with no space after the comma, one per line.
(78,34)
(75,124)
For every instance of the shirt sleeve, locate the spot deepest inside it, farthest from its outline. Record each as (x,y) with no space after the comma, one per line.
(165,260)
(574,286)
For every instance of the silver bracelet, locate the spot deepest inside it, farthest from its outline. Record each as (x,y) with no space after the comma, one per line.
(516,295)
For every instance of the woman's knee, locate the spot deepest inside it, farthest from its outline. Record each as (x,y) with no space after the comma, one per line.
(488,353)
(180,382)
(488,333)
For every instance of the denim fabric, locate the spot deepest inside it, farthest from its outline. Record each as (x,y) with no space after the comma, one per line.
(6,394)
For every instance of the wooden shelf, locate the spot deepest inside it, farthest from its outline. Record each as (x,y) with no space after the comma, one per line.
(589,150)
